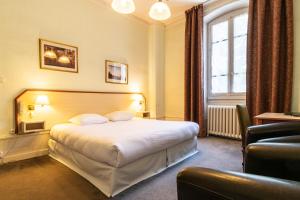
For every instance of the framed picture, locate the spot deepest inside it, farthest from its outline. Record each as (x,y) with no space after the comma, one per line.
(116,72)
(57,56)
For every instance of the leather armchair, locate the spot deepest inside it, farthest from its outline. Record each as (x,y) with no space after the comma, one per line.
(272,167)
(277,157)
(208,184)
(269,132)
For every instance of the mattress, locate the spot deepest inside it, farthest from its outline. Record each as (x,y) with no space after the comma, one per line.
(120,143)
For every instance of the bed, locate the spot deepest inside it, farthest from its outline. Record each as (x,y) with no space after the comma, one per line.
(116,155)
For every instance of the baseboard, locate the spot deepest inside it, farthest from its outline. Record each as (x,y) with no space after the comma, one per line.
(25,155)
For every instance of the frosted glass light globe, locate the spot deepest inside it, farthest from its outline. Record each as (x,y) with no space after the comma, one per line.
(160,11)
(123,6)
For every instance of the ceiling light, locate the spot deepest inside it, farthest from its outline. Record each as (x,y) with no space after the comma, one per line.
(123,6)
(160,11)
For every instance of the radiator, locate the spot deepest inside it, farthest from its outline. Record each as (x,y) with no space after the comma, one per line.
(223,121)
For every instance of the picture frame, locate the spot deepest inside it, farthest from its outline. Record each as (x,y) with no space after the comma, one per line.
(116,72)
(57,56)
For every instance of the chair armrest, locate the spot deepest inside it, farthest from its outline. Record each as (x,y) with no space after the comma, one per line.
(201,183)
(286,139)
(280,160)
(255,133)
(274,151)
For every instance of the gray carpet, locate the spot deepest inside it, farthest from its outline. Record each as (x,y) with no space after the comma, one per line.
(45,178)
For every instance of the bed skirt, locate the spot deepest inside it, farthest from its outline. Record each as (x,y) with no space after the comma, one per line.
(112,180)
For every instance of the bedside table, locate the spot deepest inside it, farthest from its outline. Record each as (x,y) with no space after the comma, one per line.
(16,147)
(143,114)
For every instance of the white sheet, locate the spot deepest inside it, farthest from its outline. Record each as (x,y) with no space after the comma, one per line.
(119,143)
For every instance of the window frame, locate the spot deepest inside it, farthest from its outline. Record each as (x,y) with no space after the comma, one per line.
(229,16)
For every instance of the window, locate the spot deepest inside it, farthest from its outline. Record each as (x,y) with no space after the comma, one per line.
(227,44)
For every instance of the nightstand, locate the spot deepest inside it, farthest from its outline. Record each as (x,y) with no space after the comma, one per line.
(16,147)
(143,114)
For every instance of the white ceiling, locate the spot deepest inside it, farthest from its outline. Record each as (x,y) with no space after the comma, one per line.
(178,8)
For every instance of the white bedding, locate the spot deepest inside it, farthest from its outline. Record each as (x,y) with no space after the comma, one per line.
(120,143)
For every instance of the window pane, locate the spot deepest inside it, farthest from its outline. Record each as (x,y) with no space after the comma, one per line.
(220,55)
(240,25)
(240,48)
(219,84)
(220,32)
(239,83)
(219,58)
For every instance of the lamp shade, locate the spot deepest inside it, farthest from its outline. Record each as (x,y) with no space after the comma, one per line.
(123,6)
(64,59)
(160,11)
(50,54)
(42,100)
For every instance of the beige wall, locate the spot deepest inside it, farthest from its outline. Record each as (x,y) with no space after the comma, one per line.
(156,70)
(98,32)
(174,71)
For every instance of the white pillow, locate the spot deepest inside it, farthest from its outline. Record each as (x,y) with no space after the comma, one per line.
(86,119)
(119,116)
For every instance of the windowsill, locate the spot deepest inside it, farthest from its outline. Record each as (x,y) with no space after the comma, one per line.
(227,100)
(229,97)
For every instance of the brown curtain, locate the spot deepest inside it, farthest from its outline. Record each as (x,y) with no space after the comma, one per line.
(194,77)
(270,56)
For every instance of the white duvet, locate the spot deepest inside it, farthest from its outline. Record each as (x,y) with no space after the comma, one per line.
(119,143)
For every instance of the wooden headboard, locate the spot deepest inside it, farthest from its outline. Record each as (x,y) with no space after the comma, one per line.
(63,104)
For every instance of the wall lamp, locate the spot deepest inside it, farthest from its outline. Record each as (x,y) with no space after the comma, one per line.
(41,101)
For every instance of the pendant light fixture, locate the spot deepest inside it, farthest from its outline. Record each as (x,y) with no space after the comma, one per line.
(64,59)
(49,53)
(123,6)
(160,11)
